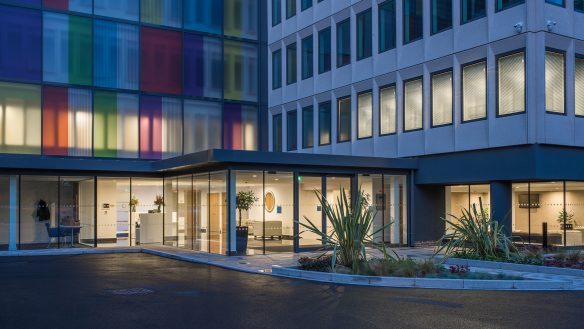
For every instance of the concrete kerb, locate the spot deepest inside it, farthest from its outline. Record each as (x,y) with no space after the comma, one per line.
(516,267)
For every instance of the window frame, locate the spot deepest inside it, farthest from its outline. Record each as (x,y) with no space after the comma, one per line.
(311,37)
(404,42)
(386,86)
(577,56)
(277,116)
(510,6)
(330,122)
(289,46)
(289,114)
(404,82)
(280,14)
(302,8)
(432,19)
(347,20)
(357,16)
(563,53)
(497,58)
(330,50)
(339,99)
(462,66)
(279,51)
(306,109)
(366,91)
(291,14)
(379,51)
(432,125)
(563,4)
(576,9)
(473,19)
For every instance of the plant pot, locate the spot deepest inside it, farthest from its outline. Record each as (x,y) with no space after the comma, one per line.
(241,239)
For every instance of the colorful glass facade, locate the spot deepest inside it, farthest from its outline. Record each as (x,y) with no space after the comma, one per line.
(144,79)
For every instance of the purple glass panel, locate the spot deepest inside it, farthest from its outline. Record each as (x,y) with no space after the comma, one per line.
(232,127)
(20,44)
(193,65)
(151,127)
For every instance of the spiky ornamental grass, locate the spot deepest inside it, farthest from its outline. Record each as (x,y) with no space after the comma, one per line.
(350,229)
(475,234)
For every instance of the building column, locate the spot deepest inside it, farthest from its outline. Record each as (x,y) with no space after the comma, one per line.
(502,204)
(428,209)
(232,213)
(13,216)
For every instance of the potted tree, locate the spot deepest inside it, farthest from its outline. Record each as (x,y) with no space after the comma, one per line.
(244,200)
(569,219)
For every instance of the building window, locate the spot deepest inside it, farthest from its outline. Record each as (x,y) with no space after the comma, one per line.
(511,84)
(167,13)
(307,127)
(277,133)
(161,61)
(504,4)
(307,58)
(160,127)
(364,34)
(413,20)
(556,2)
(291,131)
(474,91)
(240,127)
(386,25)
(554,82)
(344,119)
(324,123)
(240,18)
(115,125)
(276,12)
(441,15)
(291,64)
(442,99)
(290,8)
(202,59)
(579,5)
(365,115)
(305,4)
(413,104)
(579,85)
(277,69)
(202,122)
(122,9)
(240,71)
(387,111)
(205,15)
(344,43)
(20,118)
(471,10)
(324,50)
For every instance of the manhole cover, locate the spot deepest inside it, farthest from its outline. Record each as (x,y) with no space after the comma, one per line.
(132,291)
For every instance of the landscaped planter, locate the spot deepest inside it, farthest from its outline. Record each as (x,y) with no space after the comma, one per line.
(384,281)
(516,267)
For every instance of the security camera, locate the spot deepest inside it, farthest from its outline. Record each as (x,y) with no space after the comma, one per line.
(518,27)
(550,25)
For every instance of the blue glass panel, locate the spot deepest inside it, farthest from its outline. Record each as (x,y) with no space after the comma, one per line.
(122,9)
(203,15)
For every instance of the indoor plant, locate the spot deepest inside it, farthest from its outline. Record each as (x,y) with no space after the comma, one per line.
(569,219)
(133,203)
(159,202)
(244,200)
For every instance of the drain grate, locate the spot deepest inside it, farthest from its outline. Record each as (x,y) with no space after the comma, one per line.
(131,292)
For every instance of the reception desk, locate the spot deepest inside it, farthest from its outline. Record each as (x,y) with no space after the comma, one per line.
(573,237)
(151,228)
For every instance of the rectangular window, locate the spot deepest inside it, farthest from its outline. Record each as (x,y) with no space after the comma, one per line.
(277,133)
(306,4)
(81,6)
(413,105)
(291,131)
(115,125)
(387,25)
(579,5)
(122,9)
(240,76)
(277,69)
(504,4)
(364,34)
(307,59)
(344,119)
(471,10)
(67,121)
(511,84)
(344,43)
(307,127)
(240,18)
(161,12)
(203,15)
(291,66)
(240,127)
(324,50)
(20,118)
(276,12)
(556,2)
(324,123)
(160,61)
(290,8)
(554,82)
(413,20)
(116,53)
(474,91)
(202,122)
(67,49)
(579,85)
(442,99)
(160,127)
(441,15)
(365,115)
(387,111)
(202,60)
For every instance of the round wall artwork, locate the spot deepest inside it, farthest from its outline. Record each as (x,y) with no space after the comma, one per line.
(270,201)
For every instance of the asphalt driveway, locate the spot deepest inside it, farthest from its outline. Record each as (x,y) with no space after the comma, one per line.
(144,291)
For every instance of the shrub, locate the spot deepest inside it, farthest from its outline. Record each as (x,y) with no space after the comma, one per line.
(320,264)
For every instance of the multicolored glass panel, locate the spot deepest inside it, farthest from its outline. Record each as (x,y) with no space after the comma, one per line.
(239,127)
(161,61)
(20,118)
(160,127)
(82,6)
(202,61)
(162,12)
(115,117)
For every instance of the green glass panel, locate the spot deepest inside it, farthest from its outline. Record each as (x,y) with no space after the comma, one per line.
(80,50)
(105,120)
(20,118)
(151,11)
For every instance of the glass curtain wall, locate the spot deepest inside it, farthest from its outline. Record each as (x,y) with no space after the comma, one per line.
(146,223)
(464,197)
(39,207)
(249,186)
(309,209)
(9,212)
(114,205)
(201,212)
(77,210)
(217,200)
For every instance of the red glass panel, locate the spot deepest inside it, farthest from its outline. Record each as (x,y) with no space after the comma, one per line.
(161,61)
(55,120)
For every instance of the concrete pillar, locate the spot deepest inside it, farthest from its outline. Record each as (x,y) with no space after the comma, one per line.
(502,204)
(13,213)
(428,209)
(232,213)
